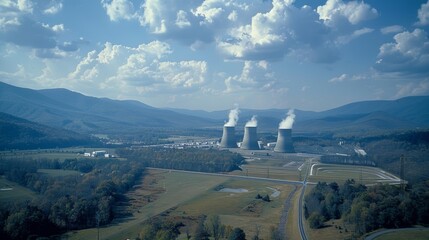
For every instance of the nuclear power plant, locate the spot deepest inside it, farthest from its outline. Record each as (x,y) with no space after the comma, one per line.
(284,141)
(250,139)
(228,137)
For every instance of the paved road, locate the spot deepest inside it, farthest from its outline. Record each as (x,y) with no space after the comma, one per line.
(301,207)
(286,206)
(379,233)
(235,176)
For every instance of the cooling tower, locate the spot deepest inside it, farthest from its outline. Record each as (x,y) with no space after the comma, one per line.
(228,138)
(250,139)
(284,141)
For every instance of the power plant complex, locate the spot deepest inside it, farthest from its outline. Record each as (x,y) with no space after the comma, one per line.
(250,139)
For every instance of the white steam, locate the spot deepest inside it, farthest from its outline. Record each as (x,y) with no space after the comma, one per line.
(253,122)
(287,123)
(232,117)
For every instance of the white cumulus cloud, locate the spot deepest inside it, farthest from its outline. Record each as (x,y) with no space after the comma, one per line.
(409,54)
(354,11)
(119,9)
(423,14)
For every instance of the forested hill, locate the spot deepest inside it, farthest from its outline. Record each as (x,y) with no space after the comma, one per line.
(18,133)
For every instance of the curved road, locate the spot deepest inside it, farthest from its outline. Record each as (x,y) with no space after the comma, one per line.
(381,232)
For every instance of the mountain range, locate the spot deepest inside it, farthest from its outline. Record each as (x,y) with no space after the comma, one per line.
(62,108)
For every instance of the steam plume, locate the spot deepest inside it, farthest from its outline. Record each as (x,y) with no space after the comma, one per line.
(287,123)
(232,117)
(253,122)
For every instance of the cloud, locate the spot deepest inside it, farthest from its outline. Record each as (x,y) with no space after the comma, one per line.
(139,70)
(346,39)
(412,89)
(254,75)
(24,31)
(119,9)
(272,34)
(423,14)
(53,8)
(392,29)
(354,12)
(19,26)
(346,77)
(409,54)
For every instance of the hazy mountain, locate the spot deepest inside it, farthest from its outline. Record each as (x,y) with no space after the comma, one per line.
(404,113)
(75,111)
(18,133)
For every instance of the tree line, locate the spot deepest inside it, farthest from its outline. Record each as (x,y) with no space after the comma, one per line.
(67,202)
(368,208)
(201,160)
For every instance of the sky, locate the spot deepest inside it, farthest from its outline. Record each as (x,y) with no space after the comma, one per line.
(218,54)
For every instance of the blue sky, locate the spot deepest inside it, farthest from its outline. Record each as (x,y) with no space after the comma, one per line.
(215,54)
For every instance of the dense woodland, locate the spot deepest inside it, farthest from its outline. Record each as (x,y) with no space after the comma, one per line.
(201,160)
(66,202)
(87,199)
(368,208)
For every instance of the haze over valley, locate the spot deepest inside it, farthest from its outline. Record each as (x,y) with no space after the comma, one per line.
(214,119)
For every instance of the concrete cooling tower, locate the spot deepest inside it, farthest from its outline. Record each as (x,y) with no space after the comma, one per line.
(228,137)
(284,141)
(250,139)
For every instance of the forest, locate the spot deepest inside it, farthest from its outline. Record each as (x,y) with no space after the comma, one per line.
(368,208)
(65,202)
(201,160)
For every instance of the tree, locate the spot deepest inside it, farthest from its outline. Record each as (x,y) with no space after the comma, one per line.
(237,234)
(214,226)
(200,231)
(315,220)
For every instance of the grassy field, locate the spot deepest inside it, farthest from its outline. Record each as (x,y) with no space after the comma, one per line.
(267,172)
(187,196)
(240,209)
(179,188)
(58,172)
(340,173)
(12,192)
(418,234)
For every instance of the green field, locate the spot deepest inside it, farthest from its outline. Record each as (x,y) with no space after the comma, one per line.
(179,188)
(340,173)
(12,192)
(418,234)
(188,195)
(58,172)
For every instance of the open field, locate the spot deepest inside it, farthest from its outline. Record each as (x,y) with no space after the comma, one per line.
(184,196)
(11,192)
(240,209)
(340,173)
(418,234)
(58,172)
(179,188)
